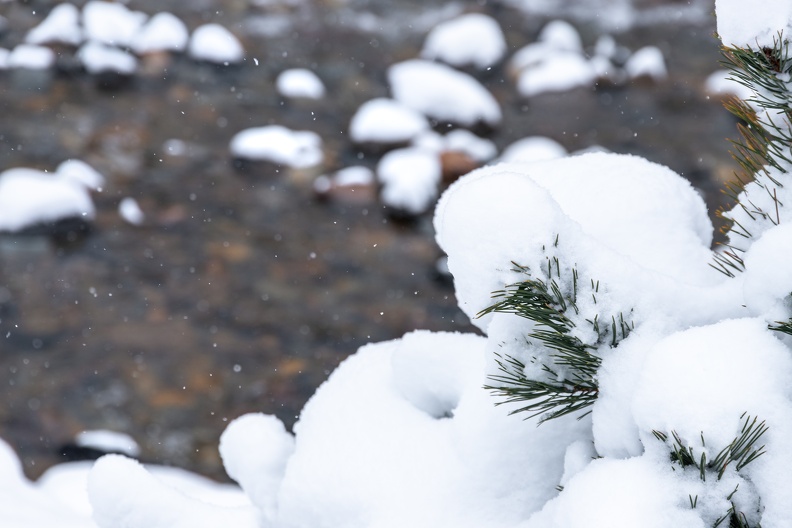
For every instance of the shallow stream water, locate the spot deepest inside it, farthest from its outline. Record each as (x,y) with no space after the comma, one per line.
(242,291)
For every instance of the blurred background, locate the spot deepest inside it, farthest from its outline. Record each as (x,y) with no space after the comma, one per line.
(240,285)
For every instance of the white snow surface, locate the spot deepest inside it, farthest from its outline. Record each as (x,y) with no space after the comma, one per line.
(533,148)
(111,23)
(473,39)
(647,62)
(163,32)
(744,23)
(278,144)
(559,71)
(214,43)
(409,178)
(130,211)
(385,120)
(31,57)
(404,434)
(30,196)
(300,82)
(97,57)
(62,25)
(108,441)
(443,93)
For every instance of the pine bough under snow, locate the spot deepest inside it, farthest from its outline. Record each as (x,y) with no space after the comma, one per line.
(655,391)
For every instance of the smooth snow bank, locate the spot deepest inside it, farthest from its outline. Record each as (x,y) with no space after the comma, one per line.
(30,196)
(297,149)
(214,43)
(386,121)
(442,93)
(300,82)
(743,23)
(469,40)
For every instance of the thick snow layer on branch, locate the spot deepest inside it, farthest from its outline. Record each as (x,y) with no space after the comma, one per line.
(745,23)
(660,233)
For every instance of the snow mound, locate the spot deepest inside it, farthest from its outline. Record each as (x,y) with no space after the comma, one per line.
(386,121)
(297,149)
(530,149)
(409,178)
(163,32)
(31,57)
(30,196)
(740,23)
(647,62)
(442,93)
(473,39)
(300,82)
(214,43)
(111,23)
(62,25)
(99,58)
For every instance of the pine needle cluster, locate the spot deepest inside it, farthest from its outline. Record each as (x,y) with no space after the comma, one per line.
(740,452)
(550,299)
(764,152)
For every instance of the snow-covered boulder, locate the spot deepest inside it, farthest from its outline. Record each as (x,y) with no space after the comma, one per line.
(278,144)
(29,197)
(31,57)
(62,25)
(111,23)
(214,43)
(530,149)
(647,62)
(442,93)
(386,121)
(410,179)
(99,58)
(300,83)
(469,40)
(163,32)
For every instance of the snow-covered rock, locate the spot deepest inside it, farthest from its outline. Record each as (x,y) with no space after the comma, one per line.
(30,196)
(130,211)
(410,179)
(386,121)
(562,36)
(530,149)
(214,43)
(111,23)
(558,72)
(163,32)
(62,25)
(647,62)
(31,57)
(442,93)
(721,82)
(99,58)
(297,149)
(469,40)
(300,82)
(108,441)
